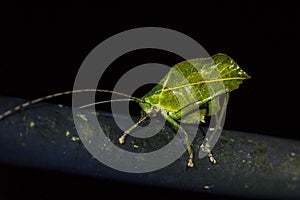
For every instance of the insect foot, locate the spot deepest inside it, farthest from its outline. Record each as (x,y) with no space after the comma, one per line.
(206,148)
(122,140)
(190,163)
(191,156)
(211,158)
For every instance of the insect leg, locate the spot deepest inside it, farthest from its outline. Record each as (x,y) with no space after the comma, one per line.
(210,139)
(126,133)
(206,146)
(185,136)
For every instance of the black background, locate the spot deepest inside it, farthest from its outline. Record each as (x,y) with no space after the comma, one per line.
(42,49)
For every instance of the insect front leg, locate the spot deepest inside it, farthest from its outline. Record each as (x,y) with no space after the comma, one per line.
(126,133)
(184,135)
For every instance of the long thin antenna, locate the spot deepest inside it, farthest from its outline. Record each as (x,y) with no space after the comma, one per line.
(28,103)
(107,101)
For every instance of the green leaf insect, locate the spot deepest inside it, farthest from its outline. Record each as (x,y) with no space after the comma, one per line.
(189,92)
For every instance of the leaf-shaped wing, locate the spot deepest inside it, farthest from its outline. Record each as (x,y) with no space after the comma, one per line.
(197,80)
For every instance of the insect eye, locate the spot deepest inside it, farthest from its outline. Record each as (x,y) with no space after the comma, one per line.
(154,107)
